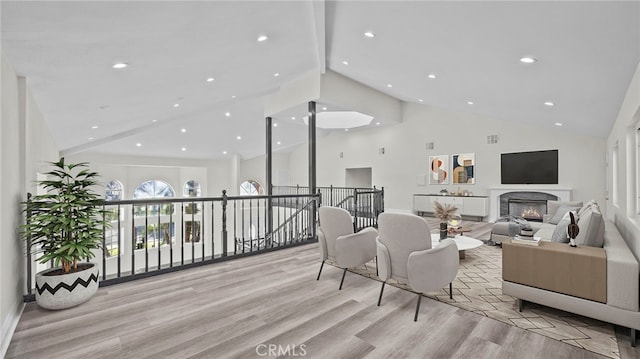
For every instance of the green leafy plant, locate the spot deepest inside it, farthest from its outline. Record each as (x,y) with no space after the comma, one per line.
(66,224)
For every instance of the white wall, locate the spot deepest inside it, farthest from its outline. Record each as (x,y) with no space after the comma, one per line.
(581,158)
(213,175)
(624,213)
(25,143)
(255,169)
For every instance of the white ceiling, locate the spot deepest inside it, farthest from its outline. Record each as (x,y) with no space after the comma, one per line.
(587,53)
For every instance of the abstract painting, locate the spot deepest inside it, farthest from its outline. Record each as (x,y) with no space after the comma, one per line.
(439,169)
(463,170)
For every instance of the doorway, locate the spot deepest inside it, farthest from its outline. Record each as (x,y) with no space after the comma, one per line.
(358,177)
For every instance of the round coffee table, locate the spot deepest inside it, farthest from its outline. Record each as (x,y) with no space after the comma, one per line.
(463,243)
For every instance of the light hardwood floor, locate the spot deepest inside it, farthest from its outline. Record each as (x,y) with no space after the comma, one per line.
(229,309)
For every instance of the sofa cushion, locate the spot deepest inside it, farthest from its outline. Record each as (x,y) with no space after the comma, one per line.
(545,231)
(552,207)
(587,205)
(591,224)
(561,212)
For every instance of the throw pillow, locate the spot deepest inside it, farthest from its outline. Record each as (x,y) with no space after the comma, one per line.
(561,212)
(560,233)
(553,206)
(591,225)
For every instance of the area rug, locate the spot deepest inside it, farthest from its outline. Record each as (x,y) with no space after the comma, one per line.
(478,289)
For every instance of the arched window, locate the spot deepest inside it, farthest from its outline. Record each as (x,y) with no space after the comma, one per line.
(113,191)
(251,188)
(191,189)
(154,234)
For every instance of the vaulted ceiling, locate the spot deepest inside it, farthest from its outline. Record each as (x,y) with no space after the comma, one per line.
(166,102)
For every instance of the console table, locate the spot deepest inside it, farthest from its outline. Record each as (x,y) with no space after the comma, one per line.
(471,206)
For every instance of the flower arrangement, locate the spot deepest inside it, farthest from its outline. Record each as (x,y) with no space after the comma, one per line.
(444,212)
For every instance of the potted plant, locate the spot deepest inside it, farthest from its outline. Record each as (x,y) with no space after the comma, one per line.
(65,226)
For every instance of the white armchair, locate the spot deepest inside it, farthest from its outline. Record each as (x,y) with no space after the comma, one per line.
(339,243)
(405,254)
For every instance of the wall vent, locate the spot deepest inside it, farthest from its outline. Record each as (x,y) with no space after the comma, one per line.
(341,154)
(381,150)
(492,139)
(429,145)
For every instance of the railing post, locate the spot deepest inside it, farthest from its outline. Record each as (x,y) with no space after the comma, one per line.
(28,219)
(224,222)
(331,195)
(355,209)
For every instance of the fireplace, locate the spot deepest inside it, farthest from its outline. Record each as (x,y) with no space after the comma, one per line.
(499,197)
(528,205)
(529,209)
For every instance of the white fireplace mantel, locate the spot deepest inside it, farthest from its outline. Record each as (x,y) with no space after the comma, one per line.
(563,194)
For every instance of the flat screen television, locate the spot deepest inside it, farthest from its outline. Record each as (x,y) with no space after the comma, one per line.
(536,167)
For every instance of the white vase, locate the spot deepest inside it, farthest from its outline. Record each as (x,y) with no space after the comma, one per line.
(66,290)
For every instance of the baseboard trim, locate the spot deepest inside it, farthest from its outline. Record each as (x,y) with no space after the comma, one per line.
(9,327)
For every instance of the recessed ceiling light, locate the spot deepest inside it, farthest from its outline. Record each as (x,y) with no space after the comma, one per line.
(210,79)
(420,100)
(431,76)
(469,102)
(138,144)
(369,34)
(184,148)
(549,103)
(183,130)
(293,117)
(228,114)
(275,125)
(120,65)
(90,138)
(262,38)
(346,130)
(276,74)
(154,121)
(558,124)
(389,85)
(345,62)
(233,96)
(224,152)
(239,137)
(279,142)
(176,105)
(94,127)
(324,109)
(528,60)
(377,123)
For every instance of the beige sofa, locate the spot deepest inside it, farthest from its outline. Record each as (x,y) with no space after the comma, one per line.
(601,283)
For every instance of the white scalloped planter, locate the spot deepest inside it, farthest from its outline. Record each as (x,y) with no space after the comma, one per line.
(66,290)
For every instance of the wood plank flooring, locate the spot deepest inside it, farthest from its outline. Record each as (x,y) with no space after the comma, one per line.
(228,310)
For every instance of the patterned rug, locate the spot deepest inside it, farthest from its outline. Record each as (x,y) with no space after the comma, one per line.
(478,289)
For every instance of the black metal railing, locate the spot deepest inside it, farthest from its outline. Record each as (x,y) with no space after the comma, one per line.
(364,204)
(147,237)
(152,236)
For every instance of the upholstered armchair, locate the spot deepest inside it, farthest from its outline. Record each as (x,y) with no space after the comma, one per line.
(339,243)
(405,255)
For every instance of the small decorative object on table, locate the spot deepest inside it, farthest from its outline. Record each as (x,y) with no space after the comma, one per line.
(444,213)
(573,230)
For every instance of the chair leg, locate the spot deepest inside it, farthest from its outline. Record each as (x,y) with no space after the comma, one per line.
(342,281)
(633,338)
(377,267)
(415,318)
(381,290)
(451,290)
(321,265)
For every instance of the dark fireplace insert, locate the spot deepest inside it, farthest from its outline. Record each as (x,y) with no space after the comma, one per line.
(529,209)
